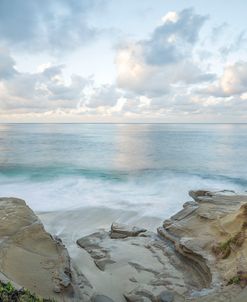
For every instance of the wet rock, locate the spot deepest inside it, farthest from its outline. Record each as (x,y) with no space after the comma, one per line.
(167,223)
(119,231)
(190,203)
(101,264)
(101,298)
(135,298)
(188,210)
(140,295)
(199,194)
(133,279)
(93,245)
(166,296)
(91,242)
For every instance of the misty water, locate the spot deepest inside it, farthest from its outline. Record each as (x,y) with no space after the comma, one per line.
(146,168)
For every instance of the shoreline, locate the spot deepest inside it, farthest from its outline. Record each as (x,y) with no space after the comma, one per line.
(177,260)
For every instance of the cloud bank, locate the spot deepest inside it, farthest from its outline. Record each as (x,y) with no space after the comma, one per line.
(168,76)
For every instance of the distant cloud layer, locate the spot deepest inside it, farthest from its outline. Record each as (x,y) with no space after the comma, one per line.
(172,73)
(48,89)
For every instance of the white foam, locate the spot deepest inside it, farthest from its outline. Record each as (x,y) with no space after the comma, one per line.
(157,196)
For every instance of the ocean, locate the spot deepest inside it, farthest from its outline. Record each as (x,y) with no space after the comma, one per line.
(144,168)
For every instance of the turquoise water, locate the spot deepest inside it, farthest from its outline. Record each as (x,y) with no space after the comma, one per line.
(145,167)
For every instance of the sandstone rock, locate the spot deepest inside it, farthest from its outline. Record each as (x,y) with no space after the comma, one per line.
(190,203)
(215,224)
(144,266)
(188,210)
(101,298)
(92,244)
(199,194)
(30,257)
(119,231)
(166,296)
(135,298)
(140,295)
(101,264)
(167,223)
(179,264)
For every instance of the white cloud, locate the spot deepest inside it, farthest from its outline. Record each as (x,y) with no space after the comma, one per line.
(48,90)
(233,81)
(170,17)
(153,66)
(38,92)
(160,77)
(103,96)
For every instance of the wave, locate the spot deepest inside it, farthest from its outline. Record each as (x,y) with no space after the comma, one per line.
(155,193)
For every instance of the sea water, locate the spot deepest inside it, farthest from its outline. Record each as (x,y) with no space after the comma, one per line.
(145,168)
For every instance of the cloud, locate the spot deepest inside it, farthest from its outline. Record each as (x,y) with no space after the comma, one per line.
(239,42)
(218,31)
(172,41)
(103,96)
(47,90)
(161,77)
(39,92)
(55,25)
(233,81)
(153,66)
(7,63)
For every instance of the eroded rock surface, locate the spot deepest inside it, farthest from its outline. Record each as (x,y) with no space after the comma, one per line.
(211,233)
(120,231)
(30,257)
(199,254)
(145,266)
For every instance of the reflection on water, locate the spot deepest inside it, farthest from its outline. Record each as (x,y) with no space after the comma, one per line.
(133,147)
(145,167)
(206,149)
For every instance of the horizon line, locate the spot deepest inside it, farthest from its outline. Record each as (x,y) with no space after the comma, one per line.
(122,123)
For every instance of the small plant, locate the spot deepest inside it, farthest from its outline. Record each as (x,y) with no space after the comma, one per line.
(244,226)
(240,279)
(223,249)
(234,280)
(9,294)
(7,288)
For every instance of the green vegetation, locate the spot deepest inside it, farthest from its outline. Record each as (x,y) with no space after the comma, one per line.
(223,249)
(234,280)
(240,279)
(9,294)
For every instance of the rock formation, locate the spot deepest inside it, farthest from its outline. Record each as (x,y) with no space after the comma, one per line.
(30,257)
(198,255)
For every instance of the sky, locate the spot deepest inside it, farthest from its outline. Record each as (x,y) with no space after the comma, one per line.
(169,61)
